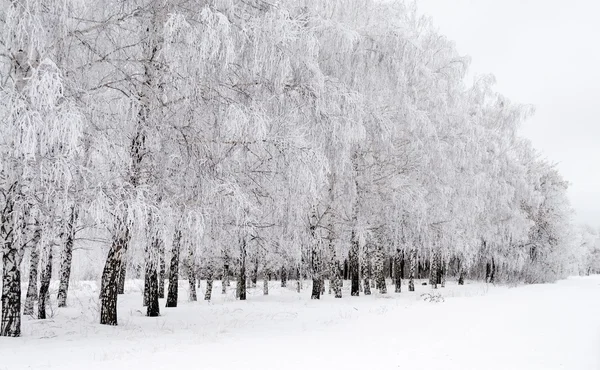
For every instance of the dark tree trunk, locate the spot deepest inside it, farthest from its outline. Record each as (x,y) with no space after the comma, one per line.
(110,276)
(433,270)
(11,291)
(225,279)
(298,281)
(380,270)
(488,270)
(153,305)
(254,278)
(412,260)
(283,277)
(122,270)
(354,267)
(461,278)
(241,285)
(150,271)
(192,274)
(316,288)
(162,269)
(66,258)
(45,284)
(336,272)
(398,261)
(346,271)
(493,272)
(32,292)
(209,281)
(316,275)
(209,286)
(174,271)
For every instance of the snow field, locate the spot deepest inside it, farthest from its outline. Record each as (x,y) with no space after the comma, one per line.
(477,326)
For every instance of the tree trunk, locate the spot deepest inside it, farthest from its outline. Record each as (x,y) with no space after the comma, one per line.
(254,278)
(433,271)
(241,285)
(110,276)
(122,270)
(354,267)
(265,286)
(153,305)
(32,293)
(398,260)
(162,267)
(225,278)
(66,258)
(11,292)
(45,284)
(209,281)
(283,277)
(316,275)
(298,280)
(380,270)
(150,271)
(493,272)
(174,271)
(412,260)
(192,273)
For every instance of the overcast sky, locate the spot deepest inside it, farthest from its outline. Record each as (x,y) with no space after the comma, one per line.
(546,53)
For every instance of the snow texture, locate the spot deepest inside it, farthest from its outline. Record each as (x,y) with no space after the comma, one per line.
(476,326)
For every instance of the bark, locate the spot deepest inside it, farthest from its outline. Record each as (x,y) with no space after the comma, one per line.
(398,260)
(265,286)
(66,258)
(298,279)
(412,260)
(354,267)
(380,270)
(336,278)
(316,275)
(11,294)
(151,275)
(367,285)
(225,279)
(209,281)
(174,271)
(110,276)
(241,285)
(367,273)
(122,269)
(162,267)
(209,286)
(283,277)
(45,285)
(153,305)
(192,274)
(32,292)
(493,271)
(433,270)
(254,278)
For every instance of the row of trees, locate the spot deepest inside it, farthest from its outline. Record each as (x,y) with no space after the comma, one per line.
(260,139)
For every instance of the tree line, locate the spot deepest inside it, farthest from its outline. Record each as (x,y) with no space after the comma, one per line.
(218,139)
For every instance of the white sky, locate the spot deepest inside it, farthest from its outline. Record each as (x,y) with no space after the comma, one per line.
(545,53)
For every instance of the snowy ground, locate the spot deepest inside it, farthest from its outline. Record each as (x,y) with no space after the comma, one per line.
(554,326)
